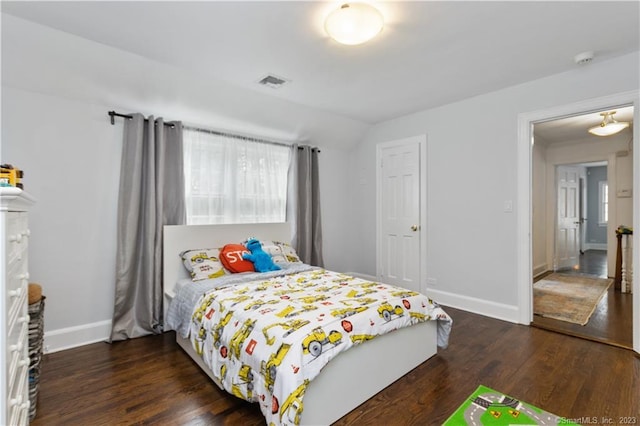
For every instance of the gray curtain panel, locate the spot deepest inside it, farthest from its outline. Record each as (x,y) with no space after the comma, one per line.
(303,204)
(151,196)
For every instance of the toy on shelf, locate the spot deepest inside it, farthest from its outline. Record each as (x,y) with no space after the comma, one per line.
(10,176)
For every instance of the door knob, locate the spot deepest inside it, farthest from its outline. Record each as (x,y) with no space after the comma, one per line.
(414,228)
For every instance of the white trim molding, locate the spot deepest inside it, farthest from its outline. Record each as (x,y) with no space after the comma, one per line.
(478,306)
(540,269)
(72,337)
(595,246)
(524,231)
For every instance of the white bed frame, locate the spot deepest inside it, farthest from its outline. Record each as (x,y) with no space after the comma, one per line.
(350,378)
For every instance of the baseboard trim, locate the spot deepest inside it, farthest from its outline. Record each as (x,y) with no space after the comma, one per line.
(478,306)
(72,337)
(500,311)
(539,270)
(595,246)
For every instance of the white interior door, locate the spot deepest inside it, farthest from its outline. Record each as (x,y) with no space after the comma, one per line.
(399,204)
(568,217)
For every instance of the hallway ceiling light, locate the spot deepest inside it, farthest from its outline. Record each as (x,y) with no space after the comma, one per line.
(354,23)
(609,125)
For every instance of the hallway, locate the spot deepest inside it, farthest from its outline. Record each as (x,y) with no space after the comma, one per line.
(592,262)
(611,321)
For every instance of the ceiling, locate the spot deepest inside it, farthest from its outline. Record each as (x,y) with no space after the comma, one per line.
(429,53)
(576,127)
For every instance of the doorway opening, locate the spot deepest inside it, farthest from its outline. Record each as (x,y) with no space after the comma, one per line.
(579,191)
(582,216)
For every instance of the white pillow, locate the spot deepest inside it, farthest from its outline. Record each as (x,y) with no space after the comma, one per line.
(203,264)
(281,253)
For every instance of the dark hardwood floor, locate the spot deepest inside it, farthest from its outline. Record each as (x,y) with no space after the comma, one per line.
(151,381)
(611,321)
(591,262)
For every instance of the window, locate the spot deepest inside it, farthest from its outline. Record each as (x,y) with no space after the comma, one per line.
(233,180)
(603,202)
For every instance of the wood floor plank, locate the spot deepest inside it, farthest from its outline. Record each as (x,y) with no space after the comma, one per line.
(151,381)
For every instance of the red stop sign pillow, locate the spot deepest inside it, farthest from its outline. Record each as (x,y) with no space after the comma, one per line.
(231,258)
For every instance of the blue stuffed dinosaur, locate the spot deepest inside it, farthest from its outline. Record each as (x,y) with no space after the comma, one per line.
(262,261)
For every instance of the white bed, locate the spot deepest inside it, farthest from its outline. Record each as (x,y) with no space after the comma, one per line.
(344,383)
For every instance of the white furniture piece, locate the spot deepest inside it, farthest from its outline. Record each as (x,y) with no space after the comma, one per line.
(349,379)
(14,318)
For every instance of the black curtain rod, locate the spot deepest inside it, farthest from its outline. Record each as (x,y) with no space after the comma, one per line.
(114,114)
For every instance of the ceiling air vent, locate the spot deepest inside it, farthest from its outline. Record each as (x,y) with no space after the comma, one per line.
(273,81)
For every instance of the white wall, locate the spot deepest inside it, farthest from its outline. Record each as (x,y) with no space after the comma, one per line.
(336,223)
(471,163)
(71,160)
(56,91)
(539,207)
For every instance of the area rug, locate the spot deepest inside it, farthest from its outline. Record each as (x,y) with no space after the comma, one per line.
(571,298)
(488,407)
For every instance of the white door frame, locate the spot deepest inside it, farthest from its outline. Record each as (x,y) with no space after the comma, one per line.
(422,142)
(524,203)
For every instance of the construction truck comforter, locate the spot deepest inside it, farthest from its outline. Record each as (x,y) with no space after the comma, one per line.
(266,339)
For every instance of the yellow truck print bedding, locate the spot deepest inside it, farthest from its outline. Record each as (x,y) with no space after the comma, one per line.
(267,339)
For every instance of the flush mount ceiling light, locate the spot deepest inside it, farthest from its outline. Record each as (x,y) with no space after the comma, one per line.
(609,125)
(354,23)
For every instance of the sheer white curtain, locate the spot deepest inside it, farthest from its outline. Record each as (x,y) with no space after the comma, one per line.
(233,180)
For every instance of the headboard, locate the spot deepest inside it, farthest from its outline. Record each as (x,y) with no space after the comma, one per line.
(178,238)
